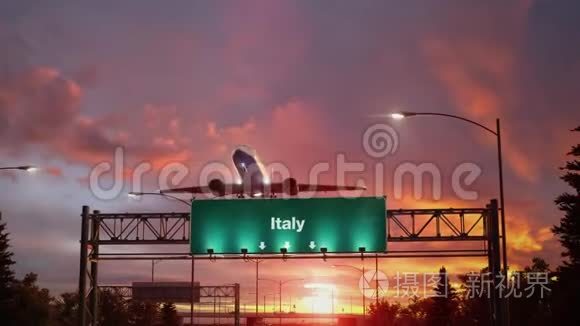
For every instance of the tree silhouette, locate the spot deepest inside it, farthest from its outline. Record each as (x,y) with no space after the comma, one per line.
(569,229)
(66,308)
(112,309)
(531,307)
(566,294)
(6,274)
(168,315)
(414,313)
(443,309)
(474,304)
(143,313)
(31,304)
(383,313)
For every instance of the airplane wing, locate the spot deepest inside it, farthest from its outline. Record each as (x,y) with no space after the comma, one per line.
(216,188)
(279,187)
(322,188)
(222,189)
(186,190)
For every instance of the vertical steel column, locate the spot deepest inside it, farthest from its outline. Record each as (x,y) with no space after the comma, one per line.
(257,285)
(505,303)
(495,263)
(193,291)
(487,230)
(94,241)
(237,304)
(501,199)
(364,303)
(82,309)
(377,280)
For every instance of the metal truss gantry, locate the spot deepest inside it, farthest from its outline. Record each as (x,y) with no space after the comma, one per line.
(224,295)
(469,225)
(207,291)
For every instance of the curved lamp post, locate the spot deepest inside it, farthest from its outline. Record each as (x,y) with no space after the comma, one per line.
(139,194)
(27,168)
(280,283)
(497,134)
(362,271)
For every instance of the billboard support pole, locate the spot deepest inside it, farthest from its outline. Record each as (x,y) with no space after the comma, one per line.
(257,288)
(94,241)
(237,304)
(363,291)
(82,312)
(191,310)
(377,280)
(497,315)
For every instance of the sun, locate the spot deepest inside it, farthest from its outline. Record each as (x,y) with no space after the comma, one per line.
(321,299)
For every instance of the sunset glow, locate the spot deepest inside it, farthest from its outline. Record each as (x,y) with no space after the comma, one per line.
(322,298)
(119,121)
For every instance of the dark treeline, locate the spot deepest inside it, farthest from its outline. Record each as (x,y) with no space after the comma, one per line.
(558,305)
(23,302)
(448,305)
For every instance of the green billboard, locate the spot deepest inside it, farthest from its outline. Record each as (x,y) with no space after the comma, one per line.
(338,225)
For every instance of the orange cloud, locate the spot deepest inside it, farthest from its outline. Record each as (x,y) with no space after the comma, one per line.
(522,237)
(53,171)
(478,76)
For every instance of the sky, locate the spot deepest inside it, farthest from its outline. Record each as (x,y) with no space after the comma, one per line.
(299,81)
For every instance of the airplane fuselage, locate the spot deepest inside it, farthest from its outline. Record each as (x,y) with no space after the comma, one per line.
(250,171)
(252,180)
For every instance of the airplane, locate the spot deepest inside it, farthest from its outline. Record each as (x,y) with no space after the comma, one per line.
(254,182)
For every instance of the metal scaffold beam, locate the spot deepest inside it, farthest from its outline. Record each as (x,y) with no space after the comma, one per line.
(173,228)
(461,226)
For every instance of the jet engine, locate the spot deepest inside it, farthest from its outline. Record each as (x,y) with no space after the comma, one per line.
(290,186)
(217,187)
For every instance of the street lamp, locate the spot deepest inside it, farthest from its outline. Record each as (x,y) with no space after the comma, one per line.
(264,298)
(139,194)
(27,168)
(397,116)
(497,134)
(280,283)
(257,261)
(362,271)
(153,263)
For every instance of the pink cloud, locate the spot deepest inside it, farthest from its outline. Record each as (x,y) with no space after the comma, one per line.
(478,72)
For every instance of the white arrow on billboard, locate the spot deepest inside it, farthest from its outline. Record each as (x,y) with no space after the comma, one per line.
(312,245)
(262,245)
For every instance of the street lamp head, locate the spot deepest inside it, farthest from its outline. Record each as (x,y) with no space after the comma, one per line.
(136,195)
(401,115)
(28,168)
